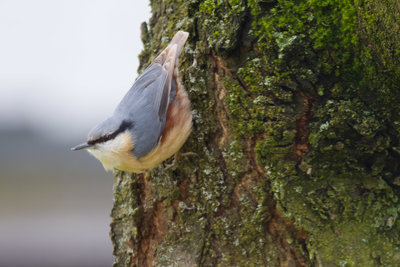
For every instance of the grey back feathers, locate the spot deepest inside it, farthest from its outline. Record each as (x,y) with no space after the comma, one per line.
(145,106)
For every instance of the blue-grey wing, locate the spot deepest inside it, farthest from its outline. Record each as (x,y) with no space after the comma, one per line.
(145,105)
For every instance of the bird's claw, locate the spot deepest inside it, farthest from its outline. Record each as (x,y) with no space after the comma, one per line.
(176,157)
(187,154)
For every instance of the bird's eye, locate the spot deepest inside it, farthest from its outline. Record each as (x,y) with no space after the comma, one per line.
(101,139)
(107,137)
(124,125)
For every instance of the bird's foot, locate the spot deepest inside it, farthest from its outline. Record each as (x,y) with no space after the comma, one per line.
(169,166)
(187,154)
(177,156)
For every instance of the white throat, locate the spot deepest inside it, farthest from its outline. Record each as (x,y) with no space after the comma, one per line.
(109,153)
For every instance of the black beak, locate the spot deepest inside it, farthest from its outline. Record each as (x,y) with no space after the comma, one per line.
(82,146)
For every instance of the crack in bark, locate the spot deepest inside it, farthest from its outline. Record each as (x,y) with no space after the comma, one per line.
(151,227)
(219,96)
(222,118)
(154,229)
(276,226)
(301,143)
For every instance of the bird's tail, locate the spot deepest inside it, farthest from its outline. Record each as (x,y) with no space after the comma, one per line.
(179,41)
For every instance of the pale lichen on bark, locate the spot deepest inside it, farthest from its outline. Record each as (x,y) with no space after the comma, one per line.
(297,135)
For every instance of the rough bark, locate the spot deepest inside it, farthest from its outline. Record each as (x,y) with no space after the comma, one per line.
(296,129)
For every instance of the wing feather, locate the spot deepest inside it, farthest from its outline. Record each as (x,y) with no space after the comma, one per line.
(145,106)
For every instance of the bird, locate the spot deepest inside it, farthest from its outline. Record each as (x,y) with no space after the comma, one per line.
(152,121)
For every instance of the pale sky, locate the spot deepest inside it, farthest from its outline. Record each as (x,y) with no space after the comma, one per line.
(66,64)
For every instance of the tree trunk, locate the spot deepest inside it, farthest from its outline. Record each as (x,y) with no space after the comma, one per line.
(296,129)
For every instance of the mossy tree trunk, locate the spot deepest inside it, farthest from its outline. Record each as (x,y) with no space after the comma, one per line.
(296,127)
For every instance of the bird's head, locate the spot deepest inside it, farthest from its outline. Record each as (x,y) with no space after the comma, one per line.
(110,136)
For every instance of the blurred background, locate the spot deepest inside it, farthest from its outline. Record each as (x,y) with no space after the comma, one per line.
(64,66)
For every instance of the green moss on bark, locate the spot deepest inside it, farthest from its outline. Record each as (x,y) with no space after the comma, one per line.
(296,114)
(341,192)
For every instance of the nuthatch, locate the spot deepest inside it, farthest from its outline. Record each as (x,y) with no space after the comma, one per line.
(151,123)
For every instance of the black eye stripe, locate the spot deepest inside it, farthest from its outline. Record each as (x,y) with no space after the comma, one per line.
(124,125)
